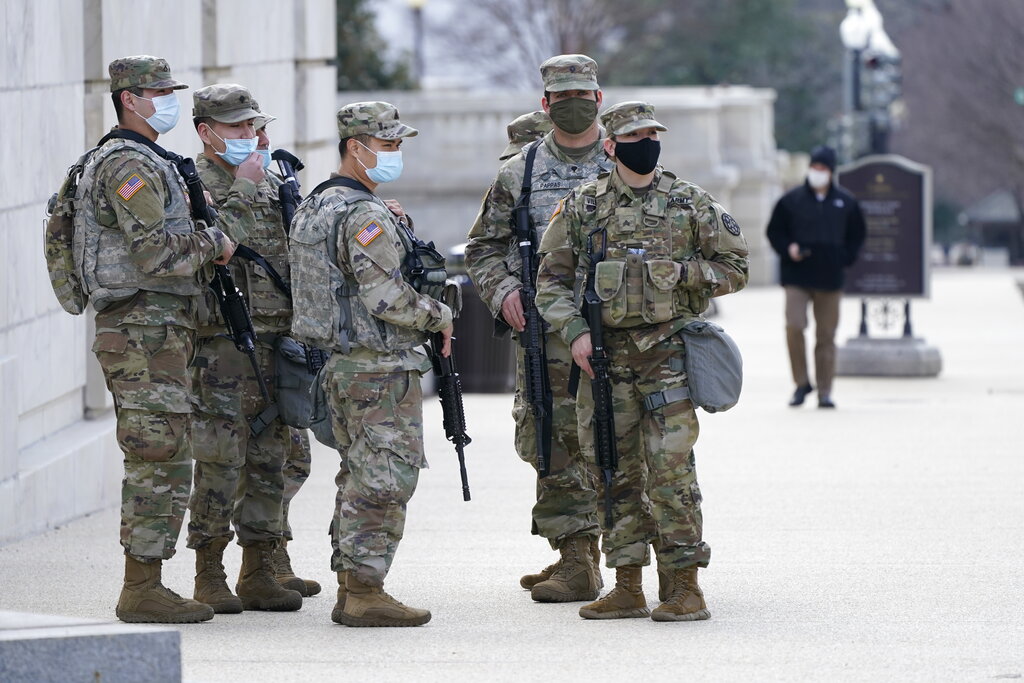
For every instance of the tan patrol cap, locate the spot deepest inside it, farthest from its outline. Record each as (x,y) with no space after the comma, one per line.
(141,71)
(225,102)
(377,119)
(626,117)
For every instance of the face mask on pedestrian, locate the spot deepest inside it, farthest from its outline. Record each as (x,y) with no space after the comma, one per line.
(168,109)
(818,179)
(640,157)
(388,168)
(237,150)
(573,115)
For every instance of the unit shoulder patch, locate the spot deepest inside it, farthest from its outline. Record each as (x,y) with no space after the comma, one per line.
(730,224)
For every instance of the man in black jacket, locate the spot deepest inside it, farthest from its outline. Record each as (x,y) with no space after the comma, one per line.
(817,230)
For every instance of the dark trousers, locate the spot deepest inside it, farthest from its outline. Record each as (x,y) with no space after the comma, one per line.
(825,304)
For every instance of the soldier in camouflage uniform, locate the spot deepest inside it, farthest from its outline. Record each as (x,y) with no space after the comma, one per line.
(372,380)
(669,248)
(143,264)
(523,130)
(565,157)
(299,461)
(238,475)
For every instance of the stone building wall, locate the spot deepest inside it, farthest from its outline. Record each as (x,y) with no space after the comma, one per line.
(58,456)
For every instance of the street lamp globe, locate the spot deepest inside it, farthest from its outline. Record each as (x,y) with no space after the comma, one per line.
(854,29)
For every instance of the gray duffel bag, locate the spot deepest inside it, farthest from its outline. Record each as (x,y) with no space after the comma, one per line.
(714,366)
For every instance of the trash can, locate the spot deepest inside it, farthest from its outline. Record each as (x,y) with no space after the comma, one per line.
(487,364)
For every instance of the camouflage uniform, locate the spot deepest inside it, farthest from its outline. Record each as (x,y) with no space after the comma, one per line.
(373,389)
(143,261)
(565,498)
(523,130)
(238,477)
(669,249)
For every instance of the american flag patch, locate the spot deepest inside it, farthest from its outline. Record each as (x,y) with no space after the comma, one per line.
(130,187)
(369,233)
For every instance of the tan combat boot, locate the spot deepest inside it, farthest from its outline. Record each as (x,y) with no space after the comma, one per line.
(576,577)
(257,586)
(686,602)
(339,606)
(625,601)
(211,581)
(528,581)
(370,606)
(286,577)
(664,582)
(144,600)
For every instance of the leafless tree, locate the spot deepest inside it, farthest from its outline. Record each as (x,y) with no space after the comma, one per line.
(961,67)
(508,39)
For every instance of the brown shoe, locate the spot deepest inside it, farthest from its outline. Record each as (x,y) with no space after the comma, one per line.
(686,602)
(211,586)
(144,600)
(625,601)
(257,587)
(286,577)
(528,581)
(576,577)
(339,606)
(366,605)
(664,582)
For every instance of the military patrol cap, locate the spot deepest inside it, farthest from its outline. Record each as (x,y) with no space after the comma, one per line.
(377,119)
(569,72)
(225,102)
(524,129)
(627,117)
(141,71)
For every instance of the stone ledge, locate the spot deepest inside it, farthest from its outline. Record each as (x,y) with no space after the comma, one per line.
(40,647)
(904,357)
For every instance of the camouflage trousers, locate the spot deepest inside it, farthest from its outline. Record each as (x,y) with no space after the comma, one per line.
(655,496)
(238,477)
(146,370)
(566,498)
(296,471)
(377,419)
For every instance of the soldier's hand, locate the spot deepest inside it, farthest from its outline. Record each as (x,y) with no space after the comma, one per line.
(582,350)
(512,311)
(446,348)
(229,251)
(794,252)
(394,207)
(251,168)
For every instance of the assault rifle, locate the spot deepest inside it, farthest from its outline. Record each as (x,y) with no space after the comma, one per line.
(288,191)
(232,306)
(449,390)
(538,386)
(600,386)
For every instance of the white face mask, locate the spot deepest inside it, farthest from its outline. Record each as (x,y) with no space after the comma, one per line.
(818,179)
(167,112)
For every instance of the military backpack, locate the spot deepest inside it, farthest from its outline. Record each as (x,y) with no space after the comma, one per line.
(59,237)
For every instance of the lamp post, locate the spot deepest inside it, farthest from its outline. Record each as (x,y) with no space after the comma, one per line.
(855,32)
(417,31)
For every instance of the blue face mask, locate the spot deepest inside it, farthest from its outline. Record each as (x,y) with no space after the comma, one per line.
(237,150)
(265,153)
(168,110)
(388,168)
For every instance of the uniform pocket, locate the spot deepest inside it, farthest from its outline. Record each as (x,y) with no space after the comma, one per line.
(660,279)
(609,283)
(151,436)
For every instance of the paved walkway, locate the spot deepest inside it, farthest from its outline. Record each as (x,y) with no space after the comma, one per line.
(881,541)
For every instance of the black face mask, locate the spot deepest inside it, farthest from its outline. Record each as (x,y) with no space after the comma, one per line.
(639,157)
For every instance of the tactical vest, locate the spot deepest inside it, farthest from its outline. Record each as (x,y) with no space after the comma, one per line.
(105,266)
(326,309)
(269,307)
(554,178)
(638,279)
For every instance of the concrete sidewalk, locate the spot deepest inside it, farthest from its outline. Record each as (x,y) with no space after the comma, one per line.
(880,541)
